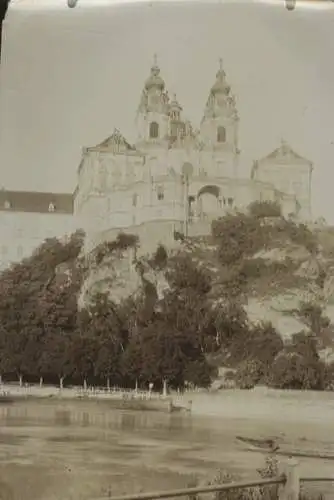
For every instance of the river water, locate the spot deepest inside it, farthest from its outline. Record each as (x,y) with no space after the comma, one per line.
(84,450)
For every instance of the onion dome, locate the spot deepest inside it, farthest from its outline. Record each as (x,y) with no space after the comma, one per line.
(220,86)
(155,80)
(175,105)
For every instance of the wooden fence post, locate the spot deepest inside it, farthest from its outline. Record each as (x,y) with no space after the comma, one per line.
(290,490)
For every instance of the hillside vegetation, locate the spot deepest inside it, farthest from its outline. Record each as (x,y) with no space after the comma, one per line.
(117,317)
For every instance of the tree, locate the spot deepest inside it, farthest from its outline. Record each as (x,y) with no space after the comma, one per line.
(132,363)
(291,370)
(170,354)
(33,305)
(104,322)
(56,359)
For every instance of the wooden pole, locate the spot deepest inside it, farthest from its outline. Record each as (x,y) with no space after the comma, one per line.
(290,490)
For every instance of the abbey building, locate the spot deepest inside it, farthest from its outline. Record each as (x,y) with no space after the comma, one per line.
(175,179)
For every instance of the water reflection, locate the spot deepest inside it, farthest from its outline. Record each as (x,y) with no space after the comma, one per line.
(86,447)
(64,415)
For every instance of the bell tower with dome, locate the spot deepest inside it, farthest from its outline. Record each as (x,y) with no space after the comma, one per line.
(219,126)
(153,111)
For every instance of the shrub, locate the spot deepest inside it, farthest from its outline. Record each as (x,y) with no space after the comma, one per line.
(291,370)
(263,209)
(270,492)
(184,273)
(329,377)
(260,343)
(300,235)
(121,243)
(160,257)
(249,373)
(313,316)
(237,236)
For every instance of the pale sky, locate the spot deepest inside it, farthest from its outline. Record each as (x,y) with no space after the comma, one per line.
(69,76)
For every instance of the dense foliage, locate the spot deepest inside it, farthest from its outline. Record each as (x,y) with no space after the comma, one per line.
(148,339)
(265,209)
(44,334)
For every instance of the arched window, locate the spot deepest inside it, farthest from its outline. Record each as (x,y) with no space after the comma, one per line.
(7,205)
(154,130)
(51,207)
(160,192)
(134,199)
(221,134)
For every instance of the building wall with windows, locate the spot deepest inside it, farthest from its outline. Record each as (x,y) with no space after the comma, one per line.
(174,180)
(176,177)
(28,218)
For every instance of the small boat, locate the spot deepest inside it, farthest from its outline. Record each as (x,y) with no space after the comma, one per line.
(299,453)
(263,444)
(270,446)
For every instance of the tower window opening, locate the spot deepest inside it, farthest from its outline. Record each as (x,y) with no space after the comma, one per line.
(134,199)
(160,193)
(154,130)
(51,207)
(221,134)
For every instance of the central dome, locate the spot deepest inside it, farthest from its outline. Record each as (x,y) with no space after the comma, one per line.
(155,80)
(220,85)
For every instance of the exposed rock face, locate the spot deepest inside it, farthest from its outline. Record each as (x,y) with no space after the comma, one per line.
(278,311)
(121,277)
(294,252)
(122,274)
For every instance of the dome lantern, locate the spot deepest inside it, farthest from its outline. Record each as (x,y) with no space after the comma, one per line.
(155,80)
(220,85)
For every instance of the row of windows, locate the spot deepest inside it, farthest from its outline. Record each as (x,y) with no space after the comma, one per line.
(8,205)
(154,132)
(160,192)
(161,195)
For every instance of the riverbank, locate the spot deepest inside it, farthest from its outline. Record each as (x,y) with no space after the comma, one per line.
(260,403)
(116,398)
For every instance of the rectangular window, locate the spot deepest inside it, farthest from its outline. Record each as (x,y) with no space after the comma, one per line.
(160,193)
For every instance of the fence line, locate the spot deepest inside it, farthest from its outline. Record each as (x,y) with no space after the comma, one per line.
(289,481)
(203,489)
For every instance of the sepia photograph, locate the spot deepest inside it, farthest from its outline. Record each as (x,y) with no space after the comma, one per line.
(167,250)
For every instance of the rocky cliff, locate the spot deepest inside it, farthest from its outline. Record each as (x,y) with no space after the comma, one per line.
(281,274)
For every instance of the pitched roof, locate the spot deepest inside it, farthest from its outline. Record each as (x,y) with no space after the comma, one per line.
(284,154)
(116,142)
(36,202)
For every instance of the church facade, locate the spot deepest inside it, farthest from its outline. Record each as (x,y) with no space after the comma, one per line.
(176,179)
(173,181)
